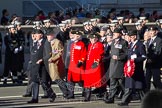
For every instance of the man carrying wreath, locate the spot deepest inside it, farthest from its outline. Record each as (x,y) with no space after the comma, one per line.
(133,69)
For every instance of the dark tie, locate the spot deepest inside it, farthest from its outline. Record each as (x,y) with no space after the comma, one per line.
(130,45)
(35,46)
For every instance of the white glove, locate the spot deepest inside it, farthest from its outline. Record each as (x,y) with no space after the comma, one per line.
(16,50)
(20,48)
(134,56)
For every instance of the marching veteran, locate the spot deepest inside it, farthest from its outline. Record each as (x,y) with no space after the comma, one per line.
(94,73)
(118,57)
(133,69)
(77,62)
(56,64)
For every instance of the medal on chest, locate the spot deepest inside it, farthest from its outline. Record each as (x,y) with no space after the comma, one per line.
(118,46)
(77,47)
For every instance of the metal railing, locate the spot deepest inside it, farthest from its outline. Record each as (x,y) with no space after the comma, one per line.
(29,27)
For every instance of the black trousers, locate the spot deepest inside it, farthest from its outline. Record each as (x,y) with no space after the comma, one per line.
(70,86)
(35,90)
(10,64)
(48,90)
(128,95)
(29,87)
(48,85)
(7,70)
(114,84)
(155,73)
(62,85)
(45,79)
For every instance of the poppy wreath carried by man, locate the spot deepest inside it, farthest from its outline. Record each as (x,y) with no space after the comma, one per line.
(129,68)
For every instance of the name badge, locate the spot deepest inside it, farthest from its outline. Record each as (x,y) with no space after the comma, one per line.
(77,47)
(119,46)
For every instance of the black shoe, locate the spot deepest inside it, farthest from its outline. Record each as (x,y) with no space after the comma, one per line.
(83,94)
(65,95)
(20,82)
(118,97)
(33,101)
(52,99)
(87,95)
(100,95)
(26,95)
(5,81)
(123,104)
(86,100)
(70,97)
(44,97)
(105,96)
(15,81)
(95,91)
(109,101)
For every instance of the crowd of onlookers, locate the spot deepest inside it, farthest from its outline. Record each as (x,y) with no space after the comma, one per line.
(81,15)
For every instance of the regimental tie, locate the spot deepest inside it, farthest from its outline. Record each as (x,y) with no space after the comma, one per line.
(34,46)
(151,41)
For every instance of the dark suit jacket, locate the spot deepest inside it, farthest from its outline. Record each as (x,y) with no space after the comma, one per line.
(36,54)
(139,50)
(154,53)
(67,53)
(62,36)
(46,53)
(141,32)
(116,68)
(11,43)
(107,56)
(0,48)
(96,29)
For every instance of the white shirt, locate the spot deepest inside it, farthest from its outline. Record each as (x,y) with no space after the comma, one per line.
(133,43)
(152,39)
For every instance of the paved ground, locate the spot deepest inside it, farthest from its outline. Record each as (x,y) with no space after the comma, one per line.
(11,97)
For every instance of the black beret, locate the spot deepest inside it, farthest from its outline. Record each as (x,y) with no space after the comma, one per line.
(94,35)
(38,31)
(117,30)
(33,32)
(52,31)
(77,32)
(132,32)
(49,31)
(109,35)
